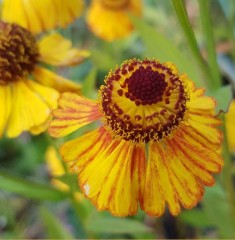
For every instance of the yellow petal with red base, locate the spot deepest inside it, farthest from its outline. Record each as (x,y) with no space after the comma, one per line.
(74,112)
(6,106)
(37,16)
(56,50)
(115,186)
(53,80)
(29,108)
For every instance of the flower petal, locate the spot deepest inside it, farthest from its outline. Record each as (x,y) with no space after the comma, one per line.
(33,15)
(56,50)
(97,20)
(90,146)
(50,79)
(48,95)
(29,108)
(230,127)
(202,103)
(189,190)
(200,161)
(111,180)
(158,187)
(74,112)
(6,106)
(201,155)
(205,126)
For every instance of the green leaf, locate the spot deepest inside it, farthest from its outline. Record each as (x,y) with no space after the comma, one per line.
(195,217)
(70,179)
(55,229)
(161,48)
(218,212)
(223,98)
(29,188)
(88,86)
(108,61)
(204,10)
(116,225)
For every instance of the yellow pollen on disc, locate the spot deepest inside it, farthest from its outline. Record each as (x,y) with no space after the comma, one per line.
(142,101)
(18,52)
(115,4)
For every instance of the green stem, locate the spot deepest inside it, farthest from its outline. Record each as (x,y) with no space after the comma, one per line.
(188,31)
(209,39)
(231,20)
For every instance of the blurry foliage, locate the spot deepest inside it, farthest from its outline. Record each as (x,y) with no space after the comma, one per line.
(30,207)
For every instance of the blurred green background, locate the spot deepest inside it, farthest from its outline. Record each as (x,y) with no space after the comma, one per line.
(34,205)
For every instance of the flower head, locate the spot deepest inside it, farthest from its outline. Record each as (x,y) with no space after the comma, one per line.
(33,14)
(26,104)
(109,20)
(157,144)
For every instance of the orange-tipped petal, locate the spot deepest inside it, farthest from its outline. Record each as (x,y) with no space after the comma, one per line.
(115,186)
(74,112)
(158,188)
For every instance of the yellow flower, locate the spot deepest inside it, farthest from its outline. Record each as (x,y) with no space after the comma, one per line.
(156,147)
(109,20)
(37,16)
(230,126)
(56,169)
(26,104)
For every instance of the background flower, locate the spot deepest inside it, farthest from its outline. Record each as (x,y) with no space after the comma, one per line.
(26,105)
(38,16)
(109,20)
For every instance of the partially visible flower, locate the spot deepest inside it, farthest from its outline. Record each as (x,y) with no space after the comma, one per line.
(109,20)
(26,104)
(40,15)
(56,169)
(157,145)
(230,126)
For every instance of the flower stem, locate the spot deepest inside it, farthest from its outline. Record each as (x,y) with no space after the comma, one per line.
(189,34)
(209,39)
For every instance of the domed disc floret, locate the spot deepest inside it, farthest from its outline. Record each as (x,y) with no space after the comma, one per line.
(143,101)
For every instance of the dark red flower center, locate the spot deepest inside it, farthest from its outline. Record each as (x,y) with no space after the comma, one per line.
(143,101)
(146,86)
